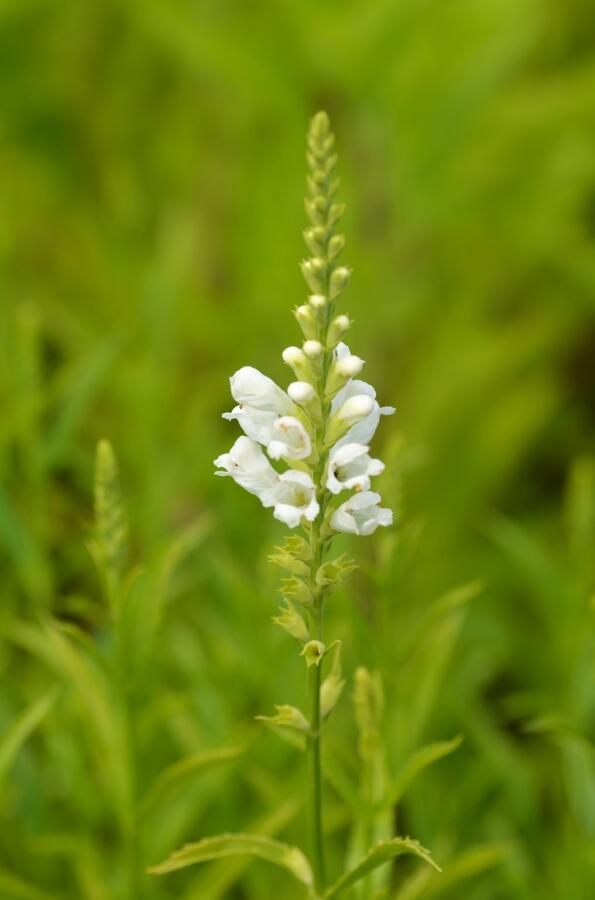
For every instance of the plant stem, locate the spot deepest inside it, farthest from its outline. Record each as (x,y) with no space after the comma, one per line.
(316,839)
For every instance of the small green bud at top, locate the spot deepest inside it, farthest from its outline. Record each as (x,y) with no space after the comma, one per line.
(314,271)
(313,653)
(317,301)
(335,245)
(315,239)
(339,281)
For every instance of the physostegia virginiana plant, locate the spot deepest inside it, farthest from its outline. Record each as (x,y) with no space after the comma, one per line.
(318,433)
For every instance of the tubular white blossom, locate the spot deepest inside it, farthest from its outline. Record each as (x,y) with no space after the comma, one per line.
(289,440)
(363,431)
(361,514)
(248,466)
(350,467)
(293,497)
(250,388)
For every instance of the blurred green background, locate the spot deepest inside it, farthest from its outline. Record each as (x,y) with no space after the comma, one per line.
(152,176)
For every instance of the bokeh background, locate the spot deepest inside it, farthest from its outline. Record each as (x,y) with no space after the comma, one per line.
(151,207)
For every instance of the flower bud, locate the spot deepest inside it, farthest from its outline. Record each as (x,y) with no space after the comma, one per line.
(297,360)
(307,320)
(317,301)
(339,281)
(315,238)
(312,349)
(335,245)
(356,408)
(301,392)
(314,271)
(337,329)
(349,366)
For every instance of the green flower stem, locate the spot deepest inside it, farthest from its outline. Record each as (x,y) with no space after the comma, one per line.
(315,776)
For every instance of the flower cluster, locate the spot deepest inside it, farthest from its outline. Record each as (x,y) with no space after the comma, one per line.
(322,425)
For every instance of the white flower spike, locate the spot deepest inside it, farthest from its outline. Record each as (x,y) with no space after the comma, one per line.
(321,427)
(361,514)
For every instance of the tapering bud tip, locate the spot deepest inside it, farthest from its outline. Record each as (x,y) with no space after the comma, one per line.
(317,301)
(339,281)
(337,329)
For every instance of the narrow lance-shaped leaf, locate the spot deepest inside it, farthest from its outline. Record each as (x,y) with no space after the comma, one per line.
(418,761)
(225,845)
(23,727)
(184,769)
(382,853)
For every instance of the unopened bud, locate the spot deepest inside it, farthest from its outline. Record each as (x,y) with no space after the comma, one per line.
(335,245)
(337,329)
(312,349)
(301,392)
(314,271)
(296,359)
(349,366)
(317,301)
(307,320)
(356,408)
(339,281)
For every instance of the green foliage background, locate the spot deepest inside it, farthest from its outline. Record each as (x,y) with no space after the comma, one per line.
(152,165)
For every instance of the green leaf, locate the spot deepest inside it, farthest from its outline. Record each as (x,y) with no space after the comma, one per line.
(418,761)
(224,845)
(184,769)
(382,853)
(23,727)
(472,862)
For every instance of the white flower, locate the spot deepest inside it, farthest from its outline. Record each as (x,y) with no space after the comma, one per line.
(294,498)
(361,514)
(248,466)
(266,414)
(351,467)
(289,439)
(250,388)
(292,494)
(362,431)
